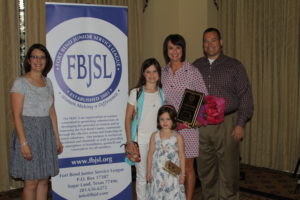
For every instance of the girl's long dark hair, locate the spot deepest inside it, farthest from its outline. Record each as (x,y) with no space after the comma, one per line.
(147,63)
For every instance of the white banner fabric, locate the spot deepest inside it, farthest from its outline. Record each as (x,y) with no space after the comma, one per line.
(88,45)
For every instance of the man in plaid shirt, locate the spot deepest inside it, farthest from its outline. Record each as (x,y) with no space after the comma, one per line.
(218,162)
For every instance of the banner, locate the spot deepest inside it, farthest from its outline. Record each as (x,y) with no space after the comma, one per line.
(88,45)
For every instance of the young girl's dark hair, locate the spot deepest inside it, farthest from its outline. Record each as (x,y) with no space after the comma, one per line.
(172,113)
(147,63)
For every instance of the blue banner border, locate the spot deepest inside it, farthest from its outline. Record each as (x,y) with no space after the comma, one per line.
(70,11)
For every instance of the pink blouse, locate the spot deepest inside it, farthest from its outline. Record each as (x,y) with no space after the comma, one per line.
(174,85)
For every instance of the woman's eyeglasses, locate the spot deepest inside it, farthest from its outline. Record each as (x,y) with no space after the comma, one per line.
(38,57)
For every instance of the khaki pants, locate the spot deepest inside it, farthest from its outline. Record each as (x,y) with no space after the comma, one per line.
(218,161)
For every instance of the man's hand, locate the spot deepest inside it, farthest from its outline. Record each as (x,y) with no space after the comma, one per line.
(238,132)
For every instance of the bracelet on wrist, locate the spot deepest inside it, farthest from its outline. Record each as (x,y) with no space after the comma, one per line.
(129,142)
(24,143)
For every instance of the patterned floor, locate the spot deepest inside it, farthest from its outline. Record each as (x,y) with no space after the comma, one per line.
(262,184)
(269,183)
(259,184)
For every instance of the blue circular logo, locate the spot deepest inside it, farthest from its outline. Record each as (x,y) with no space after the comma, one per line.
(90,98)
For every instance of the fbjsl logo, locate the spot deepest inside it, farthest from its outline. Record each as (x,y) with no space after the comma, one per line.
(88,67)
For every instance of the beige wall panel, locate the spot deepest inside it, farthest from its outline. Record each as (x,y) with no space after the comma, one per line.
(160,19)
(193,20)
(212,14)
(186,17)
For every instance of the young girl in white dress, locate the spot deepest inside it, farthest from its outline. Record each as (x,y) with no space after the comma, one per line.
(165,144)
